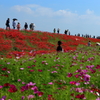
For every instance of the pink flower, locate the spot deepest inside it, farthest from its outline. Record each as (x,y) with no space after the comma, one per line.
(19,80)
(8,63)
(8,71)
(54,72)
(98,98)
(23,82)
(77,84)
(50,83)
(22,68)
(31,84)
(30,97)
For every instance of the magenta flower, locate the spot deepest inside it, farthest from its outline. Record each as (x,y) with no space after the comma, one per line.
(87,77)
(23,97)
(73,82)
(50,83)
(28,67)
(35,89)
(1,86)
(98,98)
(69,75)
(31,70)
(39,70)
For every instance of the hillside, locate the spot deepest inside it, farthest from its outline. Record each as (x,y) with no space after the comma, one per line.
(34,42)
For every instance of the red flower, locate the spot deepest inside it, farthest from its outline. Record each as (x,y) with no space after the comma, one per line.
(39,70)
(6,85)
(4,69)
(31,70)
(40,94)
(12,89)
(80,96)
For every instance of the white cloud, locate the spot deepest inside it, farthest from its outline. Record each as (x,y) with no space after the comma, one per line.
(25,9)
(43,11)
(88,11)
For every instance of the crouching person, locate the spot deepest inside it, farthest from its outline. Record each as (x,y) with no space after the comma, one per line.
(59,48)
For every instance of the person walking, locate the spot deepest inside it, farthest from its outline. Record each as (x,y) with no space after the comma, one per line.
(26,26)
(18,26)
(14,24)
(7,24)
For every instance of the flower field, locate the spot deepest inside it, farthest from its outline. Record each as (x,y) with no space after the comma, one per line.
(30,68)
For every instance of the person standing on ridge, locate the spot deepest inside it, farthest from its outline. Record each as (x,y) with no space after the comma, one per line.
(14,24)
(54,30)
(18,26)
(7,24)
(58,30)
(26,26)
(32,25)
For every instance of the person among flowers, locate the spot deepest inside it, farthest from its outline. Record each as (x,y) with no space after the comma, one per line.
(59,48)
(18,26)
(89,43)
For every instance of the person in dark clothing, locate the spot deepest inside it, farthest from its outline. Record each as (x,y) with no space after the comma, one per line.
(26,26)
(54,31)
(7,24)
(58,30)
(66,31)
(59,48)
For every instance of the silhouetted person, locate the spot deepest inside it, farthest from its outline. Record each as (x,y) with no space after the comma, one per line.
(59,48)
(66,32)
(58,30)
(26,26)
(7,24)
(54,30)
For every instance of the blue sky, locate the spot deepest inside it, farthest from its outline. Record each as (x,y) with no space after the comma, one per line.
(79,16)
